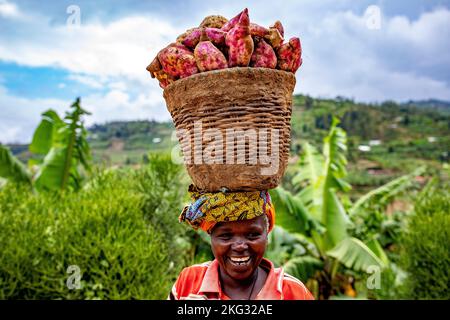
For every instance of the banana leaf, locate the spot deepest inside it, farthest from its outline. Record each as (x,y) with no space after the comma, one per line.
(69,150)
(45,133)
(376,248)
(11,167)
(303,268)
(386,192)
(354,254)
(291,214)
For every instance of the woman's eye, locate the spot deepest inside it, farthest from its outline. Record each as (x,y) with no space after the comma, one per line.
(225,236)
(254,235)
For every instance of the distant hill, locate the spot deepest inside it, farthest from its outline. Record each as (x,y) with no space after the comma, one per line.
(398,136)
(438,105)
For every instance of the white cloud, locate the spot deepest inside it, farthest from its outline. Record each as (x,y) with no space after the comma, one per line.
(86,80)
(111,57)
(20,116)
(8,10)
(401,61)
(405,59)
(122,48)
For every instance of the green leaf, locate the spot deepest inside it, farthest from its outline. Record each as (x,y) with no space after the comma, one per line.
(376,248)
(303,268)
(385,193)
(334,149)
(334,216)
(60,168)
(51,174)
(291,214)
(12,168)
(354,254)
(311,165)
(335,220)
(44,134)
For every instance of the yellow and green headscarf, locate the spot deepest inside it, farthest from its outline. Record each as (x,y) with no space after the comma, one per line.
(207,209)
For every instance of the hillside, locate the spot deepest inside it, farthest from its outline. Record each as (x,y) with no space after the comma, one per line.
(384,141)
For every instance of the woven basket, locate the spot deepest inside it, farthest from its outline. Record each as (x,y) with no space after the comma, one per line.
(252,100)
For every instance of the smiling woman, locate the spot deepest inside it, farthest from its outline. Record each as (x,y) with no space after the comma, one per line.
(239,224)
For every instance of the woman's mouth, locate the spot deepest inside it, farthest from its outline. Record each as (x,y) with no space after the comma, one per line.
(240,261)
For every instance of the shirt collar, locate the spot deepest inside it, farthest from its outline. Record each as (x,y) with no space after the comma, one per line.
(272,289)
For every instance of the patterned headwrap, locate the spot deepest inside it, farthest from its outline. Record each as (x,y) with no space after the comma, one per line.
(207,209)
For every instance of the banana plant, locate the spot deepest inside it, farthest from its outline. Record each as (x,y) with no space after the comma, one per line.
(317,213)
(62,147)
(12,168)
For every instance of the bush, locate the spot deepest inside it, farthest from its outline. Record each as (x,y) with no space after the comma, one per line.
(426,246)
(108,230)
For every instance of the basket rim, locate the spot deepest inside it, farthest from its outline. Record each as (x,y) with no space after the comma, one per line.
(213,73)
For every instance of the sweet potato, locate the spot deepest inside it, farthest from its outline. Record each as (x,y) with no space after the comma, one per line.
(209,57)
(258,31)
(274,37)
(164,78)
(290,55)
(264,56)
(193,38)
(214,21)
(177,61)
(154,67)
(231,23)
(240,42)
(216,36)
(183,36)
(277,25)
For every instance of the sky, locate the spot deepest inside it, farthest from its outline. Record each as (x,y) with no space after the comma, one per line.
(54,51)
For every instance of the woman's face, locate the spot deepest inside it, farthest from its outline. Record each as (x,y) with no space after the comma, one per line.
(239,246)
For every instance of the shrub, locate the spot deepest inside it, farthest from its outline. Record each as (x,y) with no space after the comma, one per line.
(108,230)
(426,246)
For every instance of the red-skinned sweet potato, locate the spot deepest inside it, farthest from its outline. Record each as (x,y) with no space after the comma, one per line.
(154,67)
(290,55)
(277,25)
(258,31)
(177,61)
(193,38)
(264,56)
(232,22)
(208,56)
(239,42)
(216,36)
(214,21)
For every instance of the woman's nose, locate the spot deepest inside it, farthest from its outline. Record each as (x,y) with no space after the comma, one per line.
(239,245)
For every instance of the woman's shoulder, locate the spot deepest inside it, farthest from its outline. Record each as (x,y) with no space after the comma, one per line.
(195,270)
(189,281)
(294,289)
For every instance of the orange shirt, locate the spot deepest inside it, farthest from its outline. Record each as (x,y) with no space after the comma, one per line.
(201,281)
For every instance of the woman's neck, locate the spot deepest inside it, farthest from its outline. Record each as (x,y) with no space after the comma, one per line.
(245,288)
(232,283)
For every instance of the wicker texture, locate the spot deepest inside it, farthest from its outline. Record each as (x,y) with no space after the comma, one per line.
(233,99)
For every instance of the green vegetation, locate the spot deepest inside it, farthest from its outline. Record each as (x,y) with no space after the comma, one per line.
(61,150)
(341,212)
(120,230)
(425,247)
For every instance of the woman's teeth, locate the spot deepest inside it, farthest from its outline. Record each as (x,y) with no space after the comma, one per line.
(240,260)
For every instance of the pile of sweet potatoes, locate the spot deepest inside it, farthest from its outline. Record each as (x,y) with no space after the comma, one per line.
(219,43)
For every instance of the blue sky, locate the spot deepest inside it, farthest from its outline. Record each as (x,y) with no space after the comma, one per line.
(45,62)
